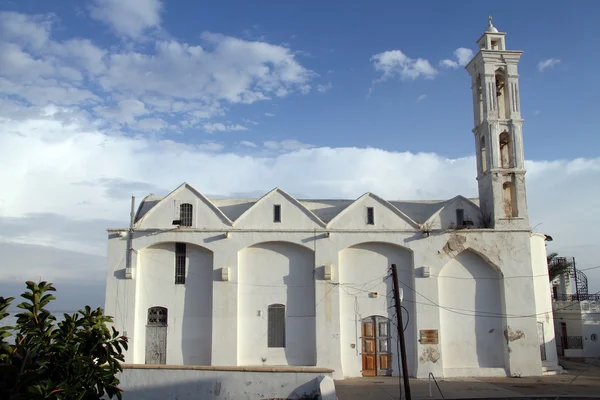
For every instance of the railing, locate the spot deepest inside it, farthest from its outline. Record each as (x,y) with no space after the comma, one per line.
(436,384)
(576,297)
(574,342)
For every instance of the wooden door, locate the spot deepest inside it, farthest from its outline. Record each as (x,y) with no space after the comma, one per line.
(369,354)
(156,345)
(376,352)
(156,336)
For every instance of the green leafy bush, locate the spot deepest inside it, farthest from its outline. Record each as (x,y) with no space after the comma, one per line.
(77,358)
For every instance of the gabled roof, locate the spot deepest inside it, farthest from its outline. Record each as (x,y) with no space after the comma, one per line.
(174,193)
(288,197)
(449,204)
(383,202)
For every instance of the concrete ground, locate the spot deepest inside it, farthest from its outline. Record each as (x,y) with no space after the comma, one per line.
(587,385)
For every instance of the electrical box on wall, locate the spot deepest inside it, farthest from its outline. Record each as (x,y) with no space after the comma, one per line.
(327,272)
(425,272)
(225,274)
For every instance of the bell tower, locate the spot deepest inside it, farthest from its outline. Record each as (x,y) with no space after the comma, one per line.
(498,133)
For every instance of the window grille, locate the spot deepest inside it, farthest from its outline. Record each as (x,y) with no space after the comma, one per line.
(370,216)
(180,258)
(277,213)
(157,316)
(185,214)
(276,328)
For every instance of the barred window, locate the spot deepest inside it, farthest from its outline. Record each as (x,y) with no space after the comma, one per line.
(157,316)
(180,263)
(185,214)
(276,328)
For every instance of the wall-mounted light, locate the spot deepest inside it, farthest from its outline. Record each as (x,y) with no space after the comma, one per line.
(122,233)
(226,235)
(326,234)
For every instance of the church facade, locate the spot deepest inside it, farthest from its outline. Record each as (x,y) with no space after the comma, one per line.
(279,281)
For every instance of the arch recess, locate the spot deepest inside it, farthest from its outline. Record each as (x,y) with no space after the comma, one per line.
(188,300)
(364,285)
(470,299)
(276,272)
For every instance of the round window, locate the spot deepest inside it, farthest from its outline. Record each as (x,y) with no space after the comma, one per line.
(594,337)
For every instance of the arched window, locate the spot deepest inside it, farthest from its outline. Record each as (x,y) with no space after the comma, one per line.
(502,99)
(276,325)
(185,214)
(510,200)
(157,316)
(506,154)
(482,154)
(478,100)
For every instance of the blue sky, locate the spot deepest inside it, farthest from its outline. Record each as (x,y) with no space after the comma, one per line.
(336,41)
(104,99)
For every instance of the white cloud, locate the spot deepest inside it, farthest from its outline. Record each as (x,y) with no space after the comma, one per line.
(189,83)
(269,114)
(549,63)
(151,124)
(462,55)
(219,127)
(49,159)
(325,88)
(129,18)
(421,98)
(248,144)
(211,146)
(124,112)
(286,145)
(395,64)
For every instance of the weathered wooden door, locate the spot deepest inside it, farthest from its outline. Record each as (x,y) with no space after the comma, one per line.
(156,336)
(376,355)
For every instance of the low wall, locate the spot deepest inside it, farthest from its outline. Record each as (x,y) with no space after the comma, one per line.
(163,382)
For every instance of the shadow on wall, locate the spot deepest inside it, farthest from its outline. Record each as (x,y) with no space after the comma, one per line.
(300,325)
(196,319)
(220,389)
(471,322)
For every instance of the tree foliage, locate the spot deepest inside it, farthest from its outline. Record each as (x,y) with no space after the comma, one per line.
(77,358)
(555,269)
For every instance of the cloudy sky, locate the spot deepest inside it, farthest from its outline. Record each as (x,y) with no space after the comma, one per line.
(104,99)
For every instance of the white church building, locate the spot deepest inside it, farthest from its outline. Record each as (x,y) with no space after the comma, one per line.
(280,281)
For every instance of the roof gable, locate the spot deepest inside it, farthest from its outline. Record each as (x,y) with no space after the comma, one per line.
(294,215)
(445,217)
(205,215)
(386,215)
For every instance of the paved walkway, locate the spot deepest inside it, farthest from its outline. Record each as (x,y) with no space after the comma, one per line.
(587,385)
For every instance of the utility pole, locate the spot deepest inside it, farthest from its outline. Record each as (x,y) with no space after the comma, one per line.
(128,255)
(401,333)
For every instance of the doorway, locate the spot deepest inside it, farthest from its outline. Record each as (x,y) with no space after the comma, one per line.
(376,348)
(156,336)
(542,340)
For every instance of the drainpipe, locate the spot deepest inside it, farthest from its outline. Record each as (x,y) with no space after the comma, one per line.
(129,254)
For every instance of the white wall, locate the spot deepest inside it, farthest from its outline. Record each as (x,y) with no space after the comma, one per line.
(508,250)
(189,305)
(591,325)
(543,299)
(214,384)
(460,290)
(363,269)
(276,273)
